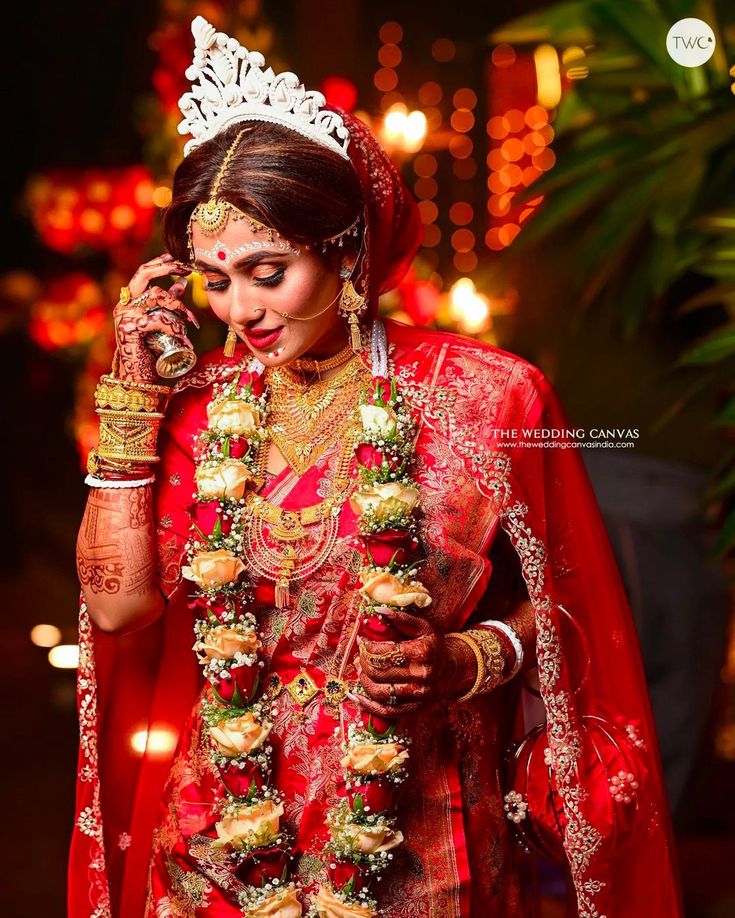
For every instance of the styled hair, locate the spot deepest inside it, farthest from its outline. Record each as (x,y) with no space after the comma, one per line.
(303,190)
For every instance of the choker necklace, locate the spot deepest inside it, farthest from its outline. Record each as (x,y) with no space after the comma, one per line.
(311,365)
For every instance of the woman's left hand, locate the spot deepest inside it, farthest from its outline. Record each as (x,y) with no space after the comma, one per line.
(422,668)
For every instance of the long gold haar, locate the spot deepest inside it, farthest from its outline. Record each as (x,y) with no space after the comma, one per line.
(331,416)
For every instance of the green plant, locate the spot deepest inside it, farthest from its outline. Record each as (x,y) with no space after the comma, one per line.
(644,183)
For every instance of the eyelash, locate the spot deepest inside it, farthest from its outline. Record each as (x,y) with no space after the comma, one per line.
(269,281)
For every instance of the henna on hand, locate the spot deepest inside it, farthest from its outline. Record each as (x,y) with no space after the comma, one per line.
(161,311)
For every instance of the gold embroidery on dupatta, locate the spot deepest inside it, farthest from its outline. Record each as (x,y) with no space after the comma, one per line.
(491,472)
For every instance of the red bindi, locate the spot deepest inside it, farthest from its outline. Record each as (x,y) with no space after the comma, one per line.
(221,255)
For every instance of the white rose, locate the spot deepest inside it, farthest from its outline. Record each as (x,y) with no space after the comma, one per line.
(233,416)
(228,478)
(377,494)
(378,420)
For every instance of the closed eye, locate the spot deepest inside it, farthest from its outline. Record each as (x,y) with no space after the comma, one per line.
(270,280)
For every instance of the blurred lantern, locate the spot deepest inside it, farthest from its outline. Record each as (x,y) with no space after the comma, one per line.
(470,309)
(172,43)
(340,92)
(104,210)
(403,130)
(71,311)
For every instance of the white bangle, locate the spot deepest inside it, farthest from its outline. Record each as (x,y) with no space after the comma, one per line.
(512,636)
(126,483)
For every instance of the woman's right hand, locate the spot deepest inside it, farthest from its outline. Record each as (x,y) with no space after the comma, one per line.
(158,312)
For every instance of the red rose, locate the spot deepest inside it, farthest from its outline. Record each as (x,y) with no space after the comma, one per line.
(262,867)
(383,545)
(382,385)
(207,516)
(377,795)
(378,628)
(238,447)
(242,679)
(253,379)
(341,872)
(239,780)
(369,456)
(380,724)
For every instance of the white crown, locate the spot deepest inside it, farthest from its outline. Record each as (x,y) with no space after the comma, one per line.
(229,85)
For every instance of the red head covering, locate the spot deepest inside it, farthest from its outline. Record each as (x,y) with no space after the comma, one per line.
(393,227)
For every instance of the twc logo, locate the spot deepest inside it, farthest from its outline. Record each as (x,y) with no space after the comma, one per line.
(690,42)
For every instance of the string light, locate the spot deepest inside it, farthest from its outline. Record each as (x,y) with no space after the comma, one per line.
(158,741)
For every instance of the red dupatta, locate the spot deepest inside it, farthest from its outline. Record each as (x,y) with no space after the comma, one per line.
(143,685)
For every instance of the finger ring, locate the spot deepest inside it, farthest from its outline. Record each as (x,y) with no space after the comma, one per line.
(385,660)
(124,296)
(140,299)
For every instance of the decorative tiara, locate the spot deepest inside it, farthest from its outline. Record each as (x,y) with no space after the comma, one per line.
(229,85)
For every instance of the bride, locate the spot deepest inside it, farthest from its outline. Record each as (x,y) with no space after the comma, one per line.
(412,654)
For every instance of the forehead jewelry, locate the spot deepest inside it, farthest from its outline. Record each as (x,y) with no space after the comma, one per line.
(222,253)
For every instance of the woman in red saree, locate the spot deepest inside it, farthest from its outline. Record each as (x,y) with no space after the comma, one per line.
(559,754)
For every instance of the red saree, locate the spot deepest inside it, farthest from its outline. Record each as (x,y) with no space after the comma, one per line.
(460,857)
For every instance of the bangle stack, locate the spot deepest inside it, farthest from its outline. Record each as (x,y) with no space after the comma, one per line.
(130,415)
(513,639)
(490,661)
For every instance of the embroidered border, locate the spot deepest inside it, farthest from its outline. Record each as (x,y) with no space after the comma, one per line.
(491,472)
(89,819)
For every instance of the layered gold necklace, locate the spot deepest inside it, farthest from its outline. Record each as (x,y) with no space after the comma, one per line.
(304,419)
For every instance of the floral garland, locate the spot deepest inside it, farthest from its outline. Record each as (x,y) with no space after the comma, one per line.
(361,826)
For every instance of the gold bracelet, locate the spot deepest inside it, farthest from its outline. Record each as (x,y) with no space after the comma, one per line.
(113,469)
(126,395)
(492,653)
(471,642)
(128,436)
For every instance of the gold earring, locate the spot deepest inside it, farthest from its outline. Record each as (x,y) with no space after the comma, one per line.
(230,342)
(350,305)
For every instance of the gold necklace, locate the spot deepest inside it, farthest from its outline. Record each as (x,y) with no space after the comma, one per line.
(305,418)
(283,563)
(309,364)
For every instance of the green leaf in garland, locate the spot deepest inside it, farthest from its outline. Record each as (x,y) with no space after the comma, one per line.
(252,790)
(357,805)
(226,447)
(349,887)
(217,531)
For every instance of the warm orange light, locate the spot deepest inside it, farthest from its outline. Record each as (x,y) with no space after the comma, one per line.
(425,165)
(429,211)
(495,158)
(461,146)
(464,168)
(508,232)
(390,32)
(498,127)
(461,213)
(430,93)
(162,196)
(536,117)
(390,55)
(443,50)
(464,98)
(45,635)
(425,188)
(385,79)
(465,262)
(432,235)
(156,742)
(463,240)
(512,149)
(503,56)
(462,120)
(544,159)
(516,120)
(64,656)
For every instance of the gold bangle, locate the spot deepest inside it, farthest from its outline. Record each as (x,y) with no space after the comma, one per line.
(128,436)
(125,395)
(103,468)
(470,641)
(492,653)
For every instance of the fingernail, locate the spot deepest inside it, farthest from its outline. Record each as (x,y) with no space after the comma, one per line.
(168,257)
